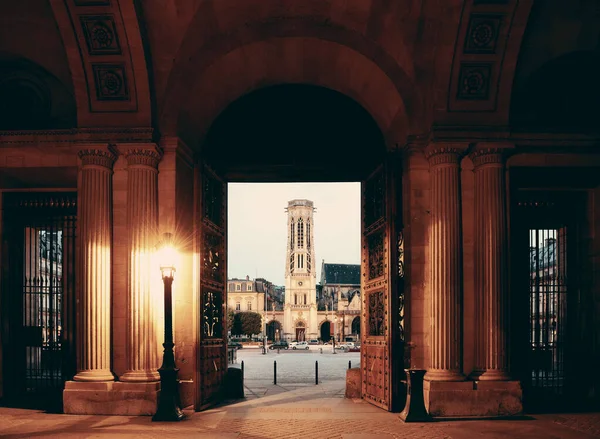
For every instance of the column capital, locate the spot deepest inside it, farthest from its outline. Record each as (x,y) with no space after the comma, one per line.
(490,153)
(141,154)
(102,155)
(440,153)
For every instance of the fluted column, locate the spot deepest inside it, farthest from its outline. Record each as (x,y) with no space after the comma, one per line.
(94,231)
(490,263)
(142,226)
(445,253)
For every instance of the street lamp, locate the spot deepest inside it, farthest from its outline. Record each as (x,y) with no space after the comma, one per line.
(168,398)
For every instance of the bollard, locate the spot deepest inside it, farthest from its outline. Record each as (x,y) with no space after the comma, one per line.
(349,364)
(275,372)
(321,349)
(242,367)
(316,373)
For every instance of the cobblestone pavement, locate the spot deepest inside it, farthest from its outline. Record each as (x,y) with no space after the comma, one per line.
(296,366)
(307,412)
(588,423)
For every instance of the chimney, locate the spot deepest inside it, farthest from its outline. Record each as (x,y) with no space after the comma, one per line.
(247,277)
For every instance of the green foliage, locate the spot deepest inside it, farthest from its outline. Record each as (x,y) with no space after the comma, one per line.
(246,323)
(230,317)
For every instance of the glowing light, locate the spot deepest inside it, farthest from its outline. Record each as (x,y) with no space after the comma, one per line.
(167,255)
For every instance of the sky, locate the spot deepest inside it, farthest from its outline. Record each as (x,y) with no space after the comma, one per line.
(257,226)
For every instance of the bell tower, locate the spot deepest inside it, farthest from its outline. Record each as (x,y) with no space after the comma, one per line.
(300,317)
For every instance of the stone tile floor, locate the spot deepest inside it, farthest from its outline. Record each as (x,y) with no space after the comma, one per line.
(292,411)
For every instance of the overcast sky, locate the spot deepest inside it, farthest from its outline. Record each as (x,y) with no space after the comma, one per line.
(257,226)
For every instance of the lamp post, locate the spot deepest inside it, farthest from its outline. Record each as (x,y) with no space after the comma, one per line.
(168,399)
(335,323)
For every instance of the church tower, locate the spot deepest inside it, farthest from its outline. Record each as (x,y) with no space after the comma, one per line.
(300,312)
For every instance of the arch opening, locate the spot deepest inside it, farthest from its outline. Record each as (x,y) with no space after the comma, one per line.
(294,132)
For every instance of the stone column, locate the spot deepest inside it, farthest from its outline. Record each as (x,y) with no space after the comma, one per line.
(490,263)
(94,231)
(142,227)
(445,255)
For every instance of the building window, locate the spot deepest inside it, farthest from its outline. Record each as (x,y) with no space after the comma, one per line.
(295,299)
(292,235)
(230,287)
(300,233)
(249,308)
(238,306)
(249,287)
(292,259)
(238,287)
(305,299)
(308,234)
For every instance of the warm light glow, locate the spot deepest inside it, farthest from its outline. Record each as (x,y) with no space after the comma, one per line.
(167,255)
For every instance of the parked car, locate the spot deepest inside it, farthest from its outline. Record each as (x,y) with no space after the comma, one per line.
(299,345)
(345,346)
(279,345)
(313,341)
(235,344)
(354,348)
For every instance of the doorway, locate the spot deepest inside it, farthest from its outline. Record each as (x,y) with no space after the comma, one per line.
(38,291)
(305,133)
(546,299)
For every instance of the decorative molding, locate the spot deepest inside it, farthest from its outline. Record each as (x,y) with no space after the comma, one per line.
(97,157)
(149,157)
(490,153)
(111,82)
(445,153)
(474,81)
(482,33)
(100,33)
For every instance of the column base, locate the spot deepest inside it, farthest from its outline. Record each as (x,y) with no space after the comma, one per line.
(110,398)
(140,376)
(444,375)
(489,375)
(96,375)
(473,398)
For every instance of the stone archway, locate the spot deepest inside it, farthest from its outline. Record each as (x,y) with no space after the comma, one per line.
(356,326)
(273,330)
(300,328)
(325,331)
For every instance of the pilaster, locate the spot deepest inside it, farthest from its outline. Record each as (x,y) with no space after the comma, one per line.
(490,262)
(445,253)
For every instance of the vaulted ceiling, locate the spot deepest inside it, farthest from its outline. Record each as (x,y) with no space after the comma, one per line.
(415,66)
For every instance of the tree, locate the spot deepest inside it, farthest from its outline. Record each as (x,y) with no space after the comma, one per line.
(230,317)
(247,323)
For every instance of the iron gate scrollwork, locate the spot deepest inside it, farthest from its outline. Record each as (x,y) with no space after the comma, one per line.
(211,315)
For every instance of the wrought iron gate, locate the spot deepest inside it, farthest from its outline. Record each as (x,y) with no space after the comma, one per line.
(546,287)
(547,311)
(38,295)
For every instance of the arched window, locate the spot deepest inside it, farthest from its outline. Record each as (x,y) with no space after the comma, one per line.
(305,299)
(300,233)
(292,235)
(292,260)
(308,234)
(295,299)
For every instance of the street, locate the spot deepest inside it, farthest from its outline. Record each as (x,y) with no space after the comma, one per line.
(296,366)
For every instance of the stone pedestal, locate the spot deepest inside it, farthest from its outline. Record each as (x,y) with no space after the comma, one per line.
(353,383)
(473,399)
(110,398)
(490,263)
(445,254)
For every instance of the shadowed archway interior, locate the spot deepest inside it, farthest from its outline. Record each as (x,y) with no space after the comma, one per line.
(294,132)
